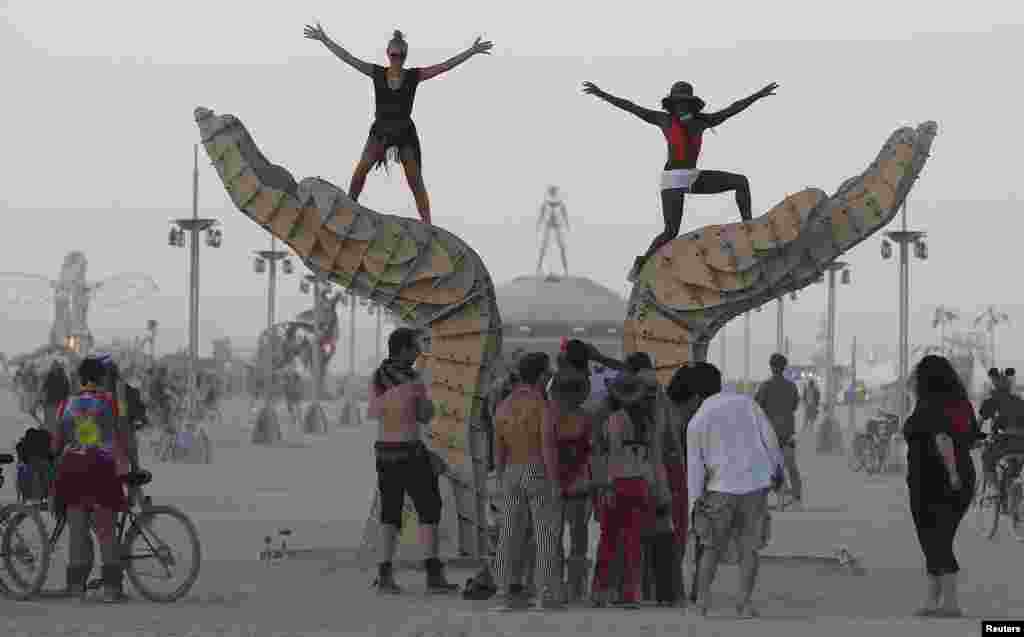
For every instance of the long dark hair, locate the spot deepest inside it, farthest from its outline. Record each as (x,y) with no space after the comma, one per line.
(935,380)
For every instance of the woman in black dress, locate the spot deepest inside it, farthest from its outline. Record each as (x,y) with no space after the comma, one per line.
(940,475)
(393,131)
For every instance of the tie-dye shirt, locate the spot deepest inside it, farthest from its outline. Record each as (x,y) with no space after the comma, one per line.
(89,420)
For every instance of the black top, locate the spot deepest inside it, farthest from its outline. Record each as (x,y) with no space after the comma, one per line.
(925,466)
(394,105)
(56,387)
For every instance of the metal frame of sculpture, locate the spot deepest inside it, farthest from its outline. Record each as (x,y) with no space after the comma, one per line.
(426,276)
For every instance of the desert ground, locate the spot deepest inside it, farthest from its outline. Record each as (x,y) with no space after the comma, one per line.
(321,488)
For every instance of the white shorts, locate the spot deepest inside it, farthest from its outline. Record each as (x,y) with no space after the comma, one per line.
(679,178)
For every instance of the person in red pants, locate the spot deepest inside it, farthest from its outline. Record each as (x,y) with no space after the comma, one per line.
(637,475)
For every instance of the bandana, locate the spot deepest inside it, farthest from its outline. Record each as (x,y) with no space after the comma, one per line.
(392,373)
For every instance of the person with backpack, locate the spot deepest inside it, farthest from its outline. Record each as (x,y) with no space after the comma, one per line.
(93,453)
(1005,408)
(636,471)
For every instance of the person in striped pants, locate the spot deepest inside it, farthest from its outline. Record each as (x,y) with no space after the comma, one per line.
(526,463)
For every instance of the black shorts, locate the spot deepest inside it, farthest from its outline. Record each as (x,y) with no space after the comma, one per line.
(405,468)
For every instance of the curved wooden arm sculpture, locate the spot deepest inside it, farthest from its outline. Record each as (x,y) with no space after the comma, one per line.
(428,277)
(701,280)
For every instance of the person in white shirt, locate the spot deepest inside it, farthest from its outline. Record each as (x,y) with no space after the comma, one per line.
(733,459)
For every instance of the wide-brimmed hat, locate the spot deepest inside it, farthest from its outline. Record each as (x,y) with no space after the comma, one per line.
(629,388)
(682,92)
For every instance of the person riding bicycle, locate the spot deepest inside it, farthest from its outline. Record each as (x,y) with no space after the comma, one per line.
(779,398)
(93,453)
(1005,408)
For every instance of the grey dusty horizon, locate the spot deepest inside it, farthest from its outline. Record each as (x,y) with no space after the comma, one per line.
(98,136)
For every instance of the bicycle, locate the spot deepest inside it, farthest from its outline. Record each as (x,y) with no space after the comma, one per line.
(130,527)
(17,546)
(1004,497)
(870,448)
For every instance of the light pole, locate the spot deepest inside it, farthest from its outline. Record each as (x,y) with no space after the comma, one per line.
(904,238)
(722,335)
(315,419)
(268,415)
(193,226)
(829,440)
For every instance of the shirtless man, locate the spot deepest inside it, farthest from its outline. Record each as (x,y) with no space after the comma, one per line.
(404,464)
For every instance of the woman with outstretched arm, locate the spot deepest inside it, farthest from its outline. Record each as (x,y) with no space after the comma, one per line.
(393,132)
(683,121)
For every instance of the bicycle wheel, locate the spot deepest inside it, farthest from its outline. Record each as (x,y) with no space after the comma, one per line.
(149,557)
(24,551)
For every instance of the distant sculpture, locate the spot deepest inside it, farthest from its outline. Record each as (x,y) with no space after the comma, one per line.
(290,341)
(71,295)
(554,217)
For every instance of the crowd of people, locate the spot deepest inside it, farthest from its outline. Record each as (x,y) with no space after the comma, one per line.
(665,471)
(590,436)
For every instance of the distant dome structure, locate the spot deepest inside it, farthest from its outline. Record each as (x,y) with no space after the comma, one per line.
(537,311)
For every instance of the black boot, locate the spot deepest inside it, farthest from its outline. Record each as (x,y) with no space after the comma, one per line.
(436,581)
(385,581)
(113,582)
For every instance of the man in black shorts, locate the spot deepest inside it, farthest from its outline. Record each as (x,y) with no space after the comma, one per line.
(404,463)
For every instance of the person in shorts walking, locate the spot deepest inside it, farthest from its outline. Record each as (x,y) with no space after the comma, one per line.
(733,458)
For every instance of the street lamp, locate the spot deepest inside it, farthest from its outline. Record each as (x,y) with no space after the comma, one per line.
(268,415)
(829,440)
(904,238)
(176,238)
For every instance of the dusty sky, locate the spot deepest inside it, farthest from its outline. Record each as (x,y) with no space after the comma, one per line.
(97,137)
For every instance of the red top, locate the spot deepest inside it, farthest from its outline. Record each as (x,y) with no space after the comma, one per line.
(683,144)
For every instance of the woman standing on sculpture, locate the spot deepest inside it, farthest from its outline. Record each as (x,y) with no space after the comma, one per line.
(393,131)
(683,123)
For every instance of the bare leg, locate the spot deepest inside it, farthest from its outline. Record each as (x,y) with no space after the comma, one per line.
(672,202)
(713,182)
(371,153)
(750,562)
(388,542)
(543,248)
(414,175)
(708,567)
(430,539)
(933,596)
(561,246)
